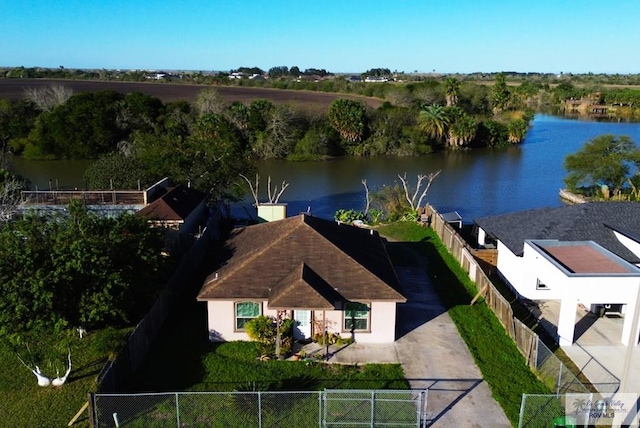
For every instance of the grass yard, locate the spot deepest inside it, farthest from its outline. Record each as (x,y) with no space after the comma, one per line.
(25,404)
(182,359)
(502,366)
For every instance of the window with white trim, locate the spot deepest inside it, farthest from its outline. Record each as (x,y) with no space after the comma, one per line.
(356,316)
(246,311)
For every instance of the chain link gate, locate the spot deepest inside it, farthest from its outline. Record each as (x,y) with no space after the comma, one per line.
(374,408)
(329,408)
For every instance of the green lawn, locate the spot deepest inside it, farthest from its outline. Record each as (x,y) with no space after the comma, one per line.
(24,404)
(182,359)
(501,364)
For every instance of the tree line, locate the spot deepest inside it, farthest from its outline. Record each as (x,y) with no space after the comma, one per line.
(138,137)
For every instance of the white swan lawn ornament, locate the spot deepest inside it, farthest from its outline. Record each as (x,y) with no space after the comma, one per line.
(42,379)
(59,381)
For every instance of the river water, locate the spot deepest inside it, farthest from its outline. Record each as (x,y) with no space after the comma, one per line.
(475,182)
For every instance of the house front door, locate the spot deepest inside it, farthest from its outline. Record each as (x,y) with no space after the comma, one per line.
(302,328)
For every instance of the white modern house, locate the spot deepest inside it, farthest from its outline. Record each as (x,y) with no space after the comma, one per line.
(585,254)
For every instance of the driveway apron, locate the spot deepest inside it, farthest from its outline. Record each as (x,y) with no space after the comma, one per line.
(434,356)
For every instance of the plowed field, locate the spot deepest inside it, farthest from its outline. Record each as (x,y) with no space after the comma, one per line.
(14,89)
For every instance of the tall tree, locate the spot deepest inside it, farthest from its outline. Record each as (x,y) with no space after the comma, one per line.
(451,87)
(434,122)
(500,94)
(76,269)
(517,129)
(462,128)
(603,160)
(348,118)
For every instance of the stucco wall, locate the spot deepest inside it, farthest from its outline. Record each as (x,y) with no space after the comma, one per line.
(524,272)
(221,322)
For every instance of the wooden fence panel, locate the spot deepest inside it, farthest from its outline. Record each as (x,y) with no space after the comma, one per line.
(138,343)
(525,339)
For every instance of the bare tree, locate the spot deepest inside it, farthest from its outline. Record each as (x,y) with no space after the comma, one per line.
(274,195)
(10,198)
(209,101)
(366,190)
(48,98)
(421,177)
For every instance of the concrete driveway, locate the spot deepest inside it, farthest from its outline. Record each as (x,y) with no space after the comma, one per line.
(434,357)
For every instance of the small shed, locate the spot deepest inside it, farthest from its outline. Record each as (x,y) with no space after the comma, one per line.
(453,218)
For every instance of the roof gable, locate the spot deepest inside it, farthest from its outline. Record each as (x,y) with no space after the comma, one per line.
(315,254)
(303,289)
(175,205)
(593,221)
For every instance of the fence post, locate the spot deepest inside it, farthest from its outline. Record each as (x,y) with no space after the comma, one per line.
(559,379)
(320,407)
(259,409)
(92,409)
(524,399)
(373,412)
(177,412)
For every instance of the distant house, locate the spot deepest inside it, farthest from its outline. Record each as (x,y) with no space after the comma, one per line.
(178,208)
(586,254)
(236,75)
(376,79)
(325,275)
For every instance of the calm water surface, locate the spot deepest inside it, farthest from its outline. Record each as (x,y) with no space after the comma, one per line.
(474,182)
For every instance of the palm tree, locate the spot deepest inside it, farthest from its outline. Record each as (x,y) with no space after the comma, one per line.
(434,122)
(517,129)
(451,86)
(462,130)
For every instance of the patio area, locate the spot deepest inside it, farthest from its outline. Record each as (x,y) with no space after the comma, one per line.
(597,349)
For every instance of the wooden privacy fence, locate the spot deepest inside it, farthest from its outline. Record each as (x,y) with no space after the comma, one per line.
(525,338)
(184,283)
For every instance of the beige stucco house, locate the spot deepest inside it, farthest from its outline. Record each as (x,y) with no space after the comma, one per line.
(325,275)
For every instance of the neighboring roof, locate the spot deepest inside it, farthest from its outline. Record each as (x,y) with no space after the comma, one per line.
(304,262)
(175,205)
(593,221)
(585,257)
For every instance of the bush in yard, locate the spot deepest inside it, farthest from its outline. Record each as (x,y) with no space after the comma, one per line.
(349,216)
(263,329)
(76,269)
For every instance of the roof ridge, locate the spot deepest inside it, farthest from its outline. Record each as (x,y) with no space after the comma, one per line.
(255,254)
(351,259)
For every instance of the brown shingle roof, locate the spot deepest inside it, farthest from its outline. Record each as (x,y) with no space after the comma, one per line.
(175,205)
(304,262)
(303,289)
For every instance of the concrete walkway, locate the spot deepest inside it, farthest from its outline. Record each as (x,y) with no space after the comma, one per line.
(434,357)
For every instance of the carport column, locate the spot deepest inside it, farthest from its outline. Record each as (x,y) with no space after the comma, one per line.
(629,317)
(567,321)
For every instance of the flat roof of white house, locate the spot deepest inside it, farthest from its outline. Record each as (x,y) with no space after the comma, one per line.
(583,257)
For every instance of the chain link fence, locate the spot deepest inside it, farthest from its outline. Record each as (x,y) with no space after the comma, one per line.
(579,410)
(541,411)
(329,408)
(555,374)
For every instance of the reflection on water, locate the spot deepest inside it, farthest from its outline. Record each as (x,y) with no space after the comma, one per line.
(475,182)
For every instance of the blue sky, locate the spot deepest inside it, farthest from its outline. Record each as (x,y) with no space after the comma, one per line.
(341,36)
